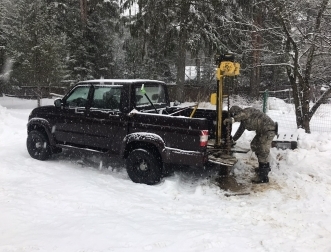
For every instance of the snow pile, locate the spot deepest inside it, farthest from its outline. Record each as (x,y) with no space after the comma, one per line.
(319,141)
(86,202)
(278,104)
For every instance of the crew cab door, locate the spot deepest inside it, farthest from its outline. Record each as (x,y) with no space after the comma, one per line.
(106,125)
(70,124)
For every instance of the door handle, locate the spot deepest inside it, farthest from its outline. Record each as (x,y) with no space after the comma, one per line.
(79,111)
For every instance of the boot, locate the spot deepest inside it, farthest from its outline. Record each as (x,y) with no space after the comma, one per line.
(257,169)
(262,174)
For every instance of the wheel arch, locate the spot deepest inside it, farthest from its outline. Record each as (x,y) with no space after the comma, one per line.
(149,141)
(43,126)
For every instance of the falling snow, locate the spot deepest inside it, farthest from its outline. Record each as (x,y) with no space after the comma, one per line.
(85,202)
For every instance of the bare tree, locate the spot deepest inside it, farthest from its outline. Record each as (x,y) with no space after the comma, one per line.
(305,29)
(294,35)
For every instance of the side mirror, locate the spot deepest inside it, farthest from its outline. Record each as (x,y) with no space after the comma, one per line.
(58,103)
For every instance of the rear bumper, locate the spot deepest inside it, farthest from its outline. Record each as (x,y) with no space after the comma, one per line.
(177,156)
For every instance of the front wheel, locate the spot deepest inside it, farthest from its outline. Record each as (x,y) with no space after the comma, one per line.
(144,167)
(38,146)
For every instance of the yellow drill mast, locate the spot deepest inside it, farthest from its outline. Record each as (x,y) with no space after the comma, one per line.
(225,67)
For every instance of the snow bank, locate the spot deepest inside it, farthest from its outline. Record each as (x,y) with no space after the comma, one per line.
(86,202)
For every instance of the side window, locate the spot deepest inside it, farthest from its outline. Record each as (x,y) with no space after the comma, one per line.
(154,92)
(107,98)
(78,98)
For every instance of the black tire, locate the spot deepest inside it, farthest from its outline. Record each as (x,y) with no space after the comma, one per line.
(144,167)
(168,170)
(38,145)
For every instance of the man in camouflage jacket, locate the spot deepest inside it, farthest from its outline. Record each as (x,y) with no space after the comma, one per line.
(266,129)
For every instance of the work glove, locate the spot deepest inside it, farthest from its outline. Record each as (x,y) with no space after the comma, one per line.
(228,120)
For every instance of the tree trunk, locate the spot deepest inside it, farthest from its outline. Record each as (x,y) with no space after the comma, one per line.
(181,56)
(2,71)
(198,69)
(324,96)
(255,77)
(83,12)
(297,104)
(256,72)
(181,68)
(305,106)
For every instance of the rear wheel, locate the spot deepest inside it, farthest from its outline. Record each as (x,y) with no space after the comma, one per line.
(144,167)
(38,145)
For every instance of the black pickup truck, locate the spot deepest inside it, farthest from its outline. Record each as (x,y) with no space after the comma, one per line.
(130,118)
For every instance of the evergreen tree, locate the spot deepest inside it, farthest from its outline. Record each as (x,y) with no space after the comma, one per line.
(6,9)
(183,26)
(49,42)
(90,39)
(35,47)
(150,49)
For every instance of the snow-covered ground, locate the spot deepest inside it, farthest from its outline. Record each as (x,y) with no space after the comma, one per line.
(84,202)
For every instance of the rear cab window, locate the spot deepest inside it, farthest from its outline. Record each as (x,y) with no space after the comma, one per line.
(153,93)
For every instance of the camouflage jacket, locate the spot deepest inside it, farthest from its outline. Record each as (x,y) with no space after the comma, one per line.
(253,119)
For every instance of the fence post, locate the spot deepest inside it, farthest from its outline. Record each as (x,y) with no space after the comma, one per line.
(265,100)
